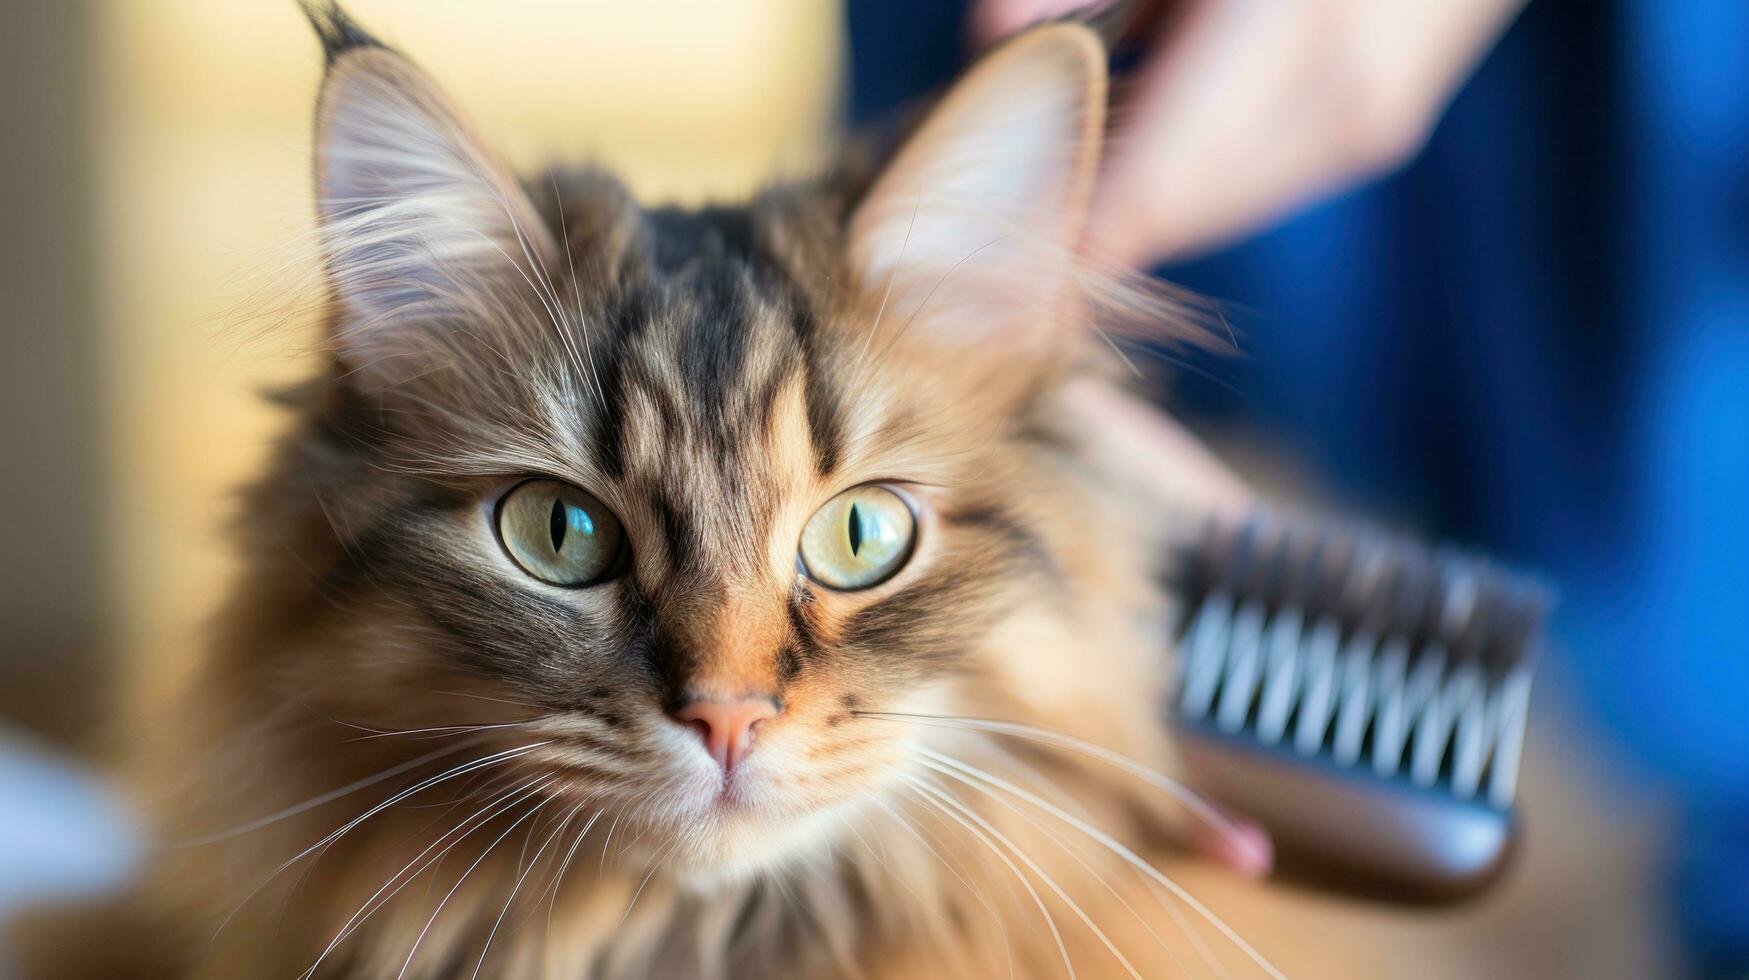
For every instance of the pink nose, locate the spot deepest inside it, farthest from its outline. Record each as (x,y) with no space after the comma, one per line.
(727,726)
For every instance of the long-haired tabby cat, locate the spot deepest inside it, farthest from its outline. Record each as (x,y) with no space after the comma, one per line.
(662,593)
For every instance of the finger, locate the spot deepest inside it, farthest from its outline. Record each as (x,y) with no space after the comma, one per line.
(993,20)
(1163,458)
(1222,121)
(1236,843)
(1251,108)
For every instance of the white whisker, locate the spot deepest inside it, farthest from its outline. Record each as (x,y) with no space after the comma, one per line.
(934,797)
(945,276)
(378,899)
(316,801)
(976,892)
(607,843)
(331,837)
(577,298)
(1057,839)
(1178,791)
(1050,883)
(655,866)
(892,275)
(458,884)
(523,875)
(559,879)
(1122,851)
(438,730)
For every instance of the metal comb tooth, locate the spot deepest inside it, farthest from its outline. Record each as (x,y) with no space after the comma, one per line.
(1384,684)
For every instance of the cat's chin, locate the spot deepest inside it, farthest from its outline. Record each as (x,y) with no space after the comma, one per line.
(716,834)
(740,843)
(769,812)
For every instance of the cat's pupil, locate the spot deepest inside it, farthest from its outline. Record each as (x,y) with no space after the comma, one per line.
(855,531)
(557,525)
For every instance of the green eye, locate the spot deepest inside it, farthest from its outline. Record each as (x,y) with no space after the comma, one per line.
(558,533)
(859,539)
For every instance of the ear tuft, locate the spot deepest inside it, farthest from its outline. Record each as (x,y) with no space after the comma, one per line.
(337,31)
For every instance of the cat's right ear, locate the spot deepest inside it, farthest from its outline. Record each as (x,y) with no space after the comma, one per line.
(421,227)
(972,228)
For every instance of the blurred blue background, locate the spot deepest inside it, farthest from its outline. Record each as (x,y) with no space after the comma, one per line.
(1534,338)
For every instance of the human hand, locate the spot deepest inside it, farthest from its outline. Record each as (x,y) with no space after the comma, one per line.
(1244,109)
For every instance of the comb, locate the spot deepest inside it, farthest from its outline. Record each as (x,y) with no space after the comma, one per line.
(1362,696)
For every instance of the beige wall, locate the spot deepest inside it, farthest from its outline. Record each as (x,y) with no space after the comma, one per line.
(202,164)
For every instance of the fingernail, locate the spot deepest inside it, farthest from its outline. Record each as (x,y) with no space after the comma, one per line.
(1240,845)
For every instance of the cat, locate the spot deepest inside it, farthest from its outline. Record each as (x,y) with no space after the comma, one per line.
(733,592)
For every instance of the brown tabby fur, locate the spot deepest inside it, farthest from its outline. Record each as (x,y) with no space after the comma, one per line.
(713,377)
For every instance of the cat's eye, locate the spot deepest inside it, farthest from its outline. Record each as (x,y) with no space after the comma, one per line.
(558,533)
(859,539)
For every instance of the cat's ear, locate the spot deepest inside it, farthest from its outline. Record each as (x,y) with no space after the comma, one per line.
(419,223)
(969,234)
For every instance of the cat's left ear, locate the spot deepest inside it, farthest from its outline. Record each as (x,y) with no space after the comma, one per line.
(969,235)
(422,227)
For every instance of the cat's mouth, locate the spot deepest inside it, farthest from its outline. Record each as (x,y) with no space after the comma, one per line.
(734,795)
(786,797)
(688,784)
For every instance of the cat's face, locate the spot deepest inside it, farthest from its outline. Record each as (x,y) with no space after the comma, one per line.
(698,497)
